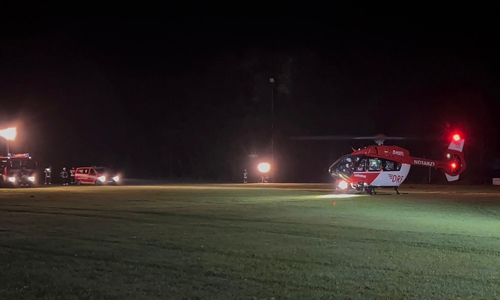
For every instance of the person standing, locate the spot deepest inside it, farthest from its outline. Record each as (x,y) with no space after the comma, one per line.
(64,176)
(245,176)
(72,174)
(48,175)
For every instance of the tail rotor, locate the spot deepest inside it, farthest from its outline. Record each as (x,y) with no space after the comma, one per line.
(454,158)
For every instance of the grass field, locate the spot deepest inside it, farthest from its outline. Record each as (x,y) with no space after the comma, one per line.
(249,242)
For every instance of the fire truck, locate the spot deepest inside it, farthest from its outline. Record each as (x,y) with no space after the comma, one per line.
(18,170)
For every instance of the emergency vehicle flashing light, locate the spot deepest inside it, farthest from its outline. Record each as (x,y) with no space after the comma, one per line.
(20,155)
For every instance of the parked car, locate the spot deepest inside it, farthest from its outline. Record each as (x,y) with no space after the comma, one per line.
(95,175)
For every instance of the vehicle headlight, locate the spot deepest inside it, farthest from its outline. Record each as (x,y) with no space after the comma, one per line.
(116,178)
(102,178)
(31,178)
(343,184)
(12,179)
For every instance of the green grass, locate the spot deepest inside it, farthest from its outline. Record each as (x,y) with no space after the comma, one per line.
(248,242)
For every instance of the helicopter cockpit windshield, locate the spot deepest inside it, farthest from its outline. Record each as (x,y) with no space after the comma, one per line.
(344,166)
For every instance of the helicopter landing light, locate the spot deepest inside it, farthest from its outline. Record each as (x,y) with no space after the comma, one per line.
(343,184)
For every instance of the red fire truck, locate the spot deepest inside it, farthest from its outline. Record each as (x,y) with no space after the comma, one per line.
(18,170)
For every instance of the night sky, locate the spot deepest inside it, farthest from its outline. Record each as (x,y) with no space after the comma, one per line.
(185,94)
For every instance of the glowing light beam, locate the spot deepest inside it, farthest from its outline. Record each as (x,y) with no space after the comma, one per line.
(264,167)
(340,196)
(9,133)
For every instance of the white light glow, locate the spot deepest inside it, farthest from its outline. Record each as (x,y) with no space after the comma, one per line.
(102,178)
(12,179)
(264,167)
(343,185)
(9,133)
(116,178)
(339,196)
(31,178)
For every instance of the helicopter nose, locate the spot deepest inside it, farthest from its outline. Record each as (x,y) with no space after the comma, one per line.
(332,169)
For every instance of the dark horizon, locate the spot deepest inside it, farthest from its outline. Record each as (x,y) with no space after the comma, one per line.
(187,95)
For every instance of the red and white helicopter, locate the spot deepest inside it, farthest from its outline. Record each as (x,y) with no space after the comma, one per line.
(379,166)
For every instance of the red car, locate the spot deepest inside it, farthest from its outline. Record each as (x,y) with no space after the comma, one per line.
(95,175)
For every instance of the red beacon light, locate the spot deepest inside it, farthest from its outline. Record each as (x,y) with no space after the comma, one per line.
(456,137)
(453,165)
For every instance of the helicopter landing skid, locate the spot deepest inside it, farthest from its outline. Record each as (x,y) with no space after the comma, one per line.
(371,190)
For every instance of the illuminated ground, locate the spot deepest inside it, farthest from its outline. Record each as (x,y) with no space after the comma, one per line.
(256,242)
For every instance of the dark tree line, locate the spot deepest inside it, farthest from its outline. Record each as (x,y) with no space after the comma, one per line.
(202,116)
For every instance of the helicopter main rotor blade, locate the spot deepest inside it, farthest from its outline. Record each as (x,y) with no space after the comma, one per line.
(333,137)
(380,138)
(320,138)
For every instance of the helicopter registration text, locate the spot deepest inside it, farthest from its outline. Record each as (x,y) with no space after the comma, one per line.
(396,152)
(424,163)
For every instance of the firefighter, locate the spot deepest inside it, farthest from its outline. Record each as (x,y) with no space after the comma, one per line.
(245,176)
(72,174)
(64,176)
(23,177)
(48,176)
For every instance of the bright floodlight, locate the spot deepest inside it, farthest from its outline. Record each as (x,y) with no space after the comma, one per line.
(343,185)
(456,137)
(9,133)
(264,167)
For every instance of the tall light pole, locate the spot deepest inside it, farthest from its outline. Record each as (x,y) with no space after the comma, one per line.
(8,134)
(271,80)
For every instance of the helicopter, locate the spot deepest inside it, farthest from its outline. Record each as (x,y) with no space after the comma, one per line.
(381,166)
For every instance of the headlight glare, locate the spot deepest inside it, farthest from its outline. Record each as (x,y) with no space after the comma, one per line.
(343,185)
